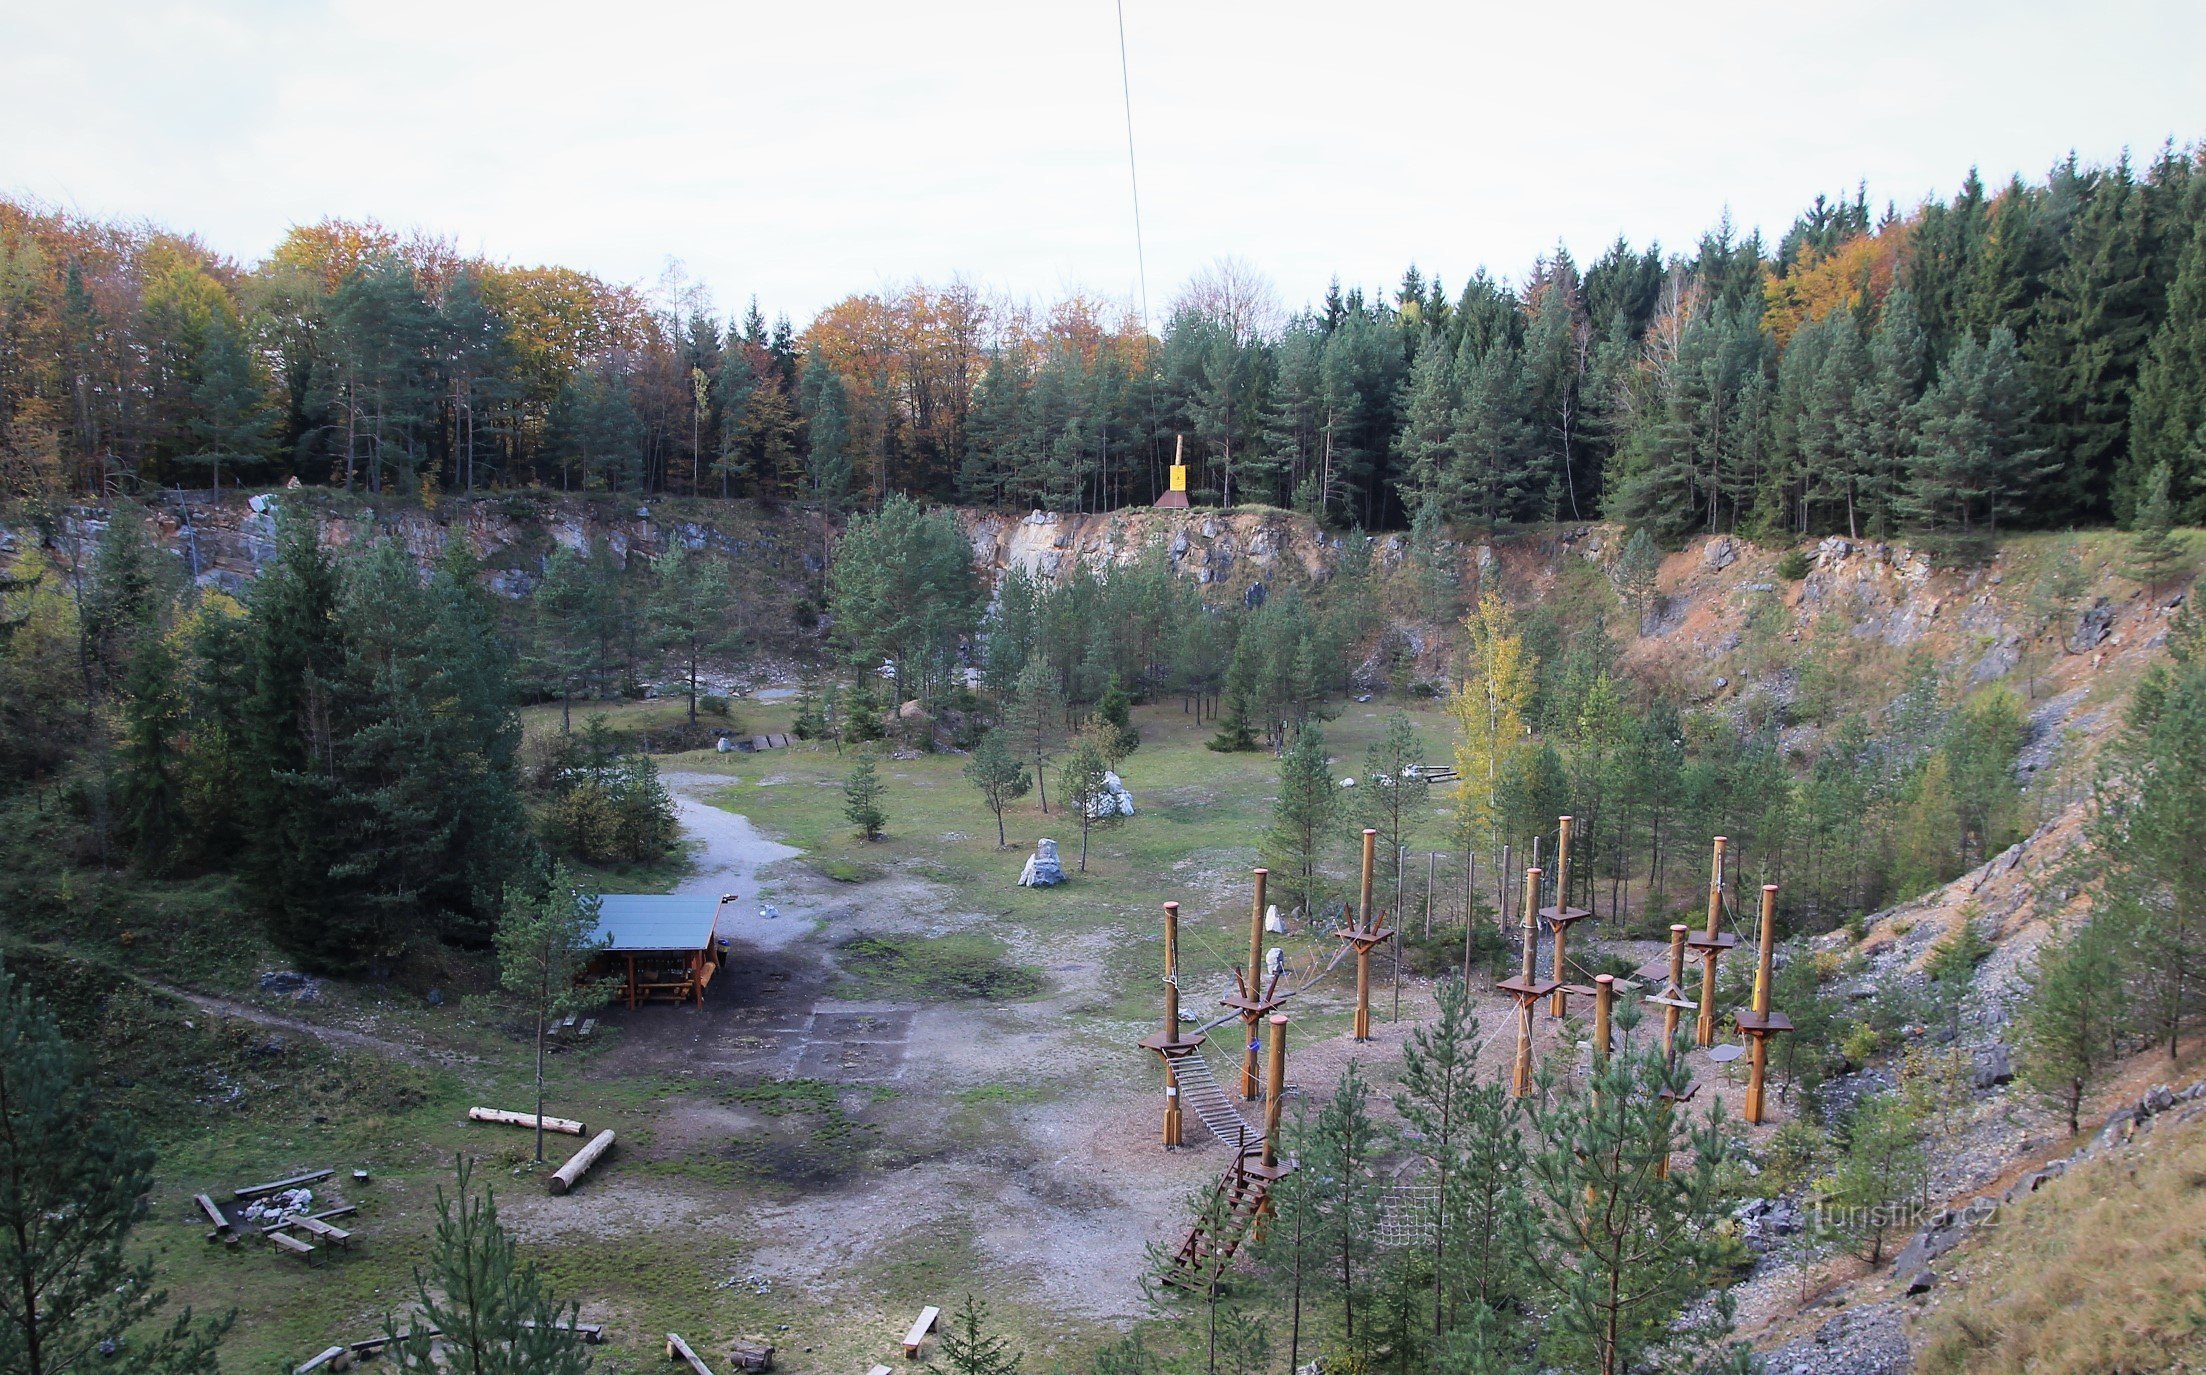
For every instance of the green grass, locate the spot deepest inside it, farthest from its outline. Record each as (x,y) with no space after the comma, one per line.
(963,966)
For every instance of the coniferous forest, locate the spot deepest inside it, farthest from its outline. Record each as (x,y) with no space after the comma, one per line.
(2016,356)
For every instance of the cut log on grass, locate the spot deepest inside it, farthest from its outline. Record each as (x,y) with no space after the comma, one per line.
(278,1186)
(678,1350)
(580,1162)
(591,1333)
(753,1354)
(524,1119)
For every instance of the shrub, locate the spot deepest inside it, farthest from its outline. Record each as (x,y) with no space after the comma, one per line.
(1794,565)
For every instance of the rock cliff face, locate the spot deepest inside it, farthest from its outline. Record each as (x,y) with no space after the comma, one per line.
(1236,549)
(225,543)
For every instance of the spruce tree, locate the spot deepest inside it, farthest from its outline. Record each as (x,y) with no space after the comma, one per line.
(2156,551)
(1636,569)
(1302,818)
(969,1348)
(482,1309)
(862,799)
(1975,464)
(153,712)
(2167,423)
(73,1180)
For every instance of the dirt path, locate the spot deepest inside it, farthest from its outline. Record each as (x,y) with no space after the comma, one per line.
(344,1037)
(730,855)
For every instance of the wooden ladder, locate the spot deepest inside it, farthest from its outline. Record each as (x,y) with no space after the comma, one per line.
(1213,1239)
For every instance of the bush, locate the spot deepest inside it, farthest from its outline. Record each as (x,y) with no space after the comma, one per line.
(604,807)
(713,704)
(1794,565)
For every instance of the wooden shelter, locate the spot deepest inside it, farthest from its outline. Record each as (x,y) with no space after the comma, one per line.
(664,948)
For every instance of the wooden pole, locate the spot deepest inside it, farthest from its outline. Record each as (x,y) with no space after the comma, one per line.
(1520,1079)
(1470,874)
(1172,1121)
(1676,989)
(1432,863)
(1277,1073)
(1758,1062)
(1501,894)
(1251,1089)
(1370,856)
(1705,1026)
(1364,923)
(1559,1004)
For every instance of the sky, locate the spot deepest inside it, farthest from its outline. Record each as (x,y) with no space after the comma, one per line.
(803,152)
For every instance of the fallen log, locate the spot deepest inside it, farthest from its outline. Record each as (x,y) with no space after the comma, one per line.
(578,1164)
(278,1186)
(335,1358)
(678,1350)
(524,1119)
(213,1210)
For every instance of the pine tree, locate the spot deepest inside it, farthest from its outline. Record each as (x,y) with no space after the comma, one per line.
(862,799)
(969,1348)
(692,611)
(1083,786)
(2156,551)
(546,938)
(827,437)
(1393,791)
(1624,1245)
(73,1177)
(1341,1151)
(1468,1131)
(1000,775)
(1031,719)
(1881,431)
(2150,833)
(482,1309)
(1636,570)
(1302,817)
(1114,717)
(153,712)
(1974,463)
(2070,1025)
(2167,423)
(1882,1169)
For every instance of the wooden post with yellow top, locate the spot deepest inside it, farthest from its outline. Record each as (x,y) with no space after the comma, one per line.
(1559,917)
(1365,933)
(1711,943)
(1168,1045)
(1257,996)
(1527,987)
(1175,499)
(1760,1022)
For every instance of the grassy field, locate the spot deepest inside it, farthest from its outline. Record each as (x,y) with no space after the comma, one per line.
(1200,816)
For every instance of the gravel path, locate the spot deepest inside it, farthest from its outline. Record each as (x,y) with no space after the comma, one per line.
(730,855)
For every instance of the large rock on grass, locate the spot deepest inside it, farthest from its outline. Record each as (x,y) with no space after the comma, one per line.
(1043,869)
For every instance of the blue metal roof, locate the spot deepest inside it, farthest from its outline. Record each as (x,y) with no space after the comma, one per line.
(650,921)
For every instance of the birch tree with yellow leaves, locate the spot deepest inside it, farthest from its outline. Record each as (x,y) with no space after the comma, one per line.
(1488,707)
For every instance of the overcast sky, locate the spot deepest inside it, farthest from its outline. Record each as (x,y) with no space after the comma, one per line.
(805,151)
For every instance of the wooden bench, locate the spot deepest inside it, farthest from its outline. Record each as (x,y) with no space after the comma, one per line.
(925,1324)
(335,1358)
(287,1242)
(878,1370)
(323,1231)
(278,1185)
(678,1350)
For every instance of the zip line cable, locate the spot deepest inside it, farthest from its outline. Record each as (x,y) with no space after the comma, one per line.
(1141,257)
(1133,173)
